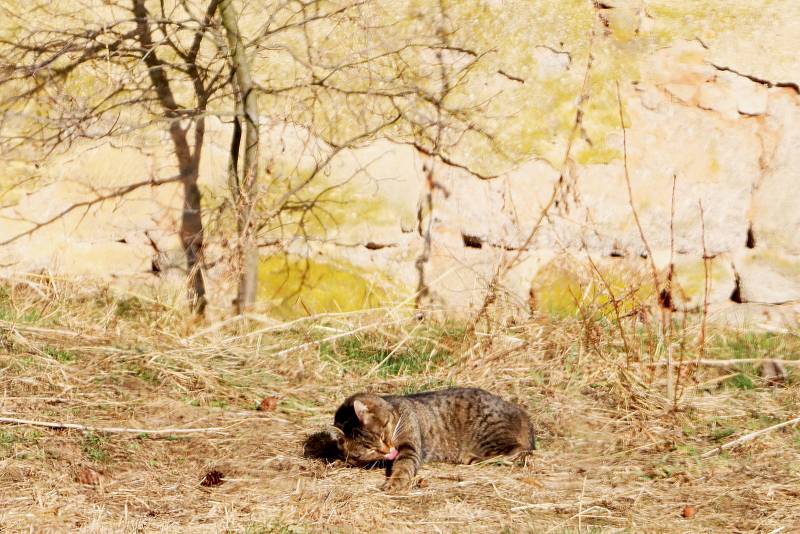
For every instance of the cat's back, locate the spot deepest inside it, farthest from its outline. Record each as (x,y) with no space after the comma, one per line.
(462,423)
(450,396)
(459,398)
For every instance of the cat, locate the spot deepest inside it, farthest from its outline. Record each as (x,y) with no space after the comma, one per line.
(457,425)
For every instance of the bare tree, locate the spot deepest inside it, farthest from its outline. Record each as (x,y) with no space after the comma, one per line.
(422,89)
(162,64)
(242,186)
(175,63)
(188,156)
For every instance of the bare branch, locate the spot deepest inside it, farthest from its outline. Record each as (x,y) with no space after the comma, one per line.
(119,192)
(110,430)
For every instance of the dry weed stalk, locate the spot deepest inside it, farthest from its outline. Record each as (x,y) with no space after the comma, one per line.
(749,437)
(726,363)
(616,307)
(685,372)
(667,302)
(507,264)
(701,348)
(649,251)
(109,430)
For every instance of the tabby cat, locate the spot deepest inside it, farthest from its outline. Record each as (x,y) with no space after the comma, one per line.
(458,425)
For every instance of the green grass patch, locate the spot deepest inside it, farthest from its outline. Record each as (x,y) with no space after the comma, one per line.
(143,373)
(740,381)
(273,527)
(740,345)
(17,442)
(93,447)
(762,420)
(431,349)
(7,437)
(7,440)
(10,314)
(686,449)
(61,355)
(721,433)
(129,308)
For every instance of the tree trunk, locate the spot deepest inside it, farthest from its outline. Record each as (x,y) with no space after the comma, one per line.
(192,240)
(243,189)
(191,232)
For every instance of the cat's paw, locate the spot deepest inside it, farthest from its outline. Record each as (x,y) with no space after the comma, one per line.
(396,485)
(523,458)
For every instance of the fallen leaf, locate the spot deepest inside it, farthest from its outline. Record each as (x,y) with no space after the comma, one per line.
(212,478)
(689,511)
(268,404)
(88,476)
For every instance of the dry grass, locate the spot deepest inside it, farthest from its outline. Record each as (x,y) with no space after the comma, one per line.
(614,456)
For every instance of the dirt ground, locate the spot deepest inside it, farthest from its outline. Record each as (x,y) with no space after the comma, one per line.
(614,455)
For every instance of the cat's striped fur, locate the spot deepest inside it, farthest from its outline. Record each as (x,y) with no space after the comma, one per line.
(458,425)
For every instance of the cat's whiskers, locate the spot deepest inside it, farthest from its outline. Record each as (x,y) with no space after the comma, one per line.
(397,428)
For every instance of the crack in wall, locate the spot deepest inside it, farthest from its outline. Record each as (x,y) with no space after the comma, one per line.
(736,294)
(763,132)
(761,81)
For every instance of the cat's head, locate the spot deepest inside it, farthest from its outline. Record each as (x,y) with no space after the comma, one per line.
(367,424)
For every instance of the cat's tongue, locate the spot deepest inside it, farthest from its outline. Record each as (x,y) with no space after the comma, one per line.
(392,454)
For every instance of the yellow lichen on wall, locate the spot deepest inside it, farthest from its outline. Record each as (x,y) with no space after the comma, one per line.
(293,286)
(573,287)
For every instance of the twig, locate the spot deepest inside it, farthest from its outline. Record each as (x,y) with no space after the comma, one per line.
(392,352)
(507,264)
(116,193)
(109,430)
(671,364)
(615,305)
(668,302)
(646,244)
(749,437)
(44,331)
(424,256)
(701,350)
(726,363)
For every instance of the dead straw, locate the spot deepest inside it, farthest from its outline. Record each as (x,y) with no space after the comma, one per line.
(109,430)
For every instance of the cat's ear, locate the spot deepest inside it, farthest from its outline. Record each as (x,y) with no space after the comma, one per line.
(362,411)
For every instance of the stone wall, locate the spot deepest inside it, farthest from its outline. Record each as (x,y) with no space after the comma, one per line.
(712,119)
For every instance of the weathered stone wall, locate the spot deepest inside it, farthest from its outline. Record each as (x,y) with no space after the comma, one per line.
(711,104)
(729,139)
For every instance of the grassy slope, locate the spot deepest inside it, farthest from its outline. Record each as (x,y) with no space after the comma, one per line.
(614,456)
